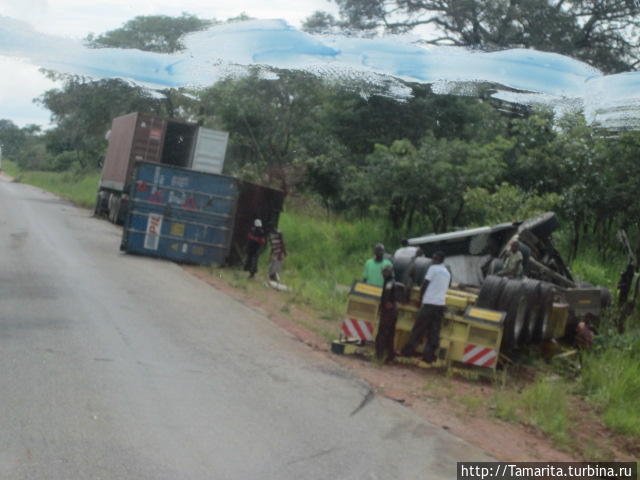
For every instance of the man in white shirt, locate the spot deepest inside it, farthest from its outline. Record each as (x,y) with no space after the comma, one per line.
(429,318)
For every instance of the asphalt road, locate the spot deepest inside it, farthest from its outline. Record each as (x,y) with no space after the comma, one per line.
(124,367)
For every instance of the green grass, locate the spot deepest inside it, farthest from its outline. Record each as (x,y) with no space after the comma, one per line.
(544,404)
(611,381)
(588,266)
(325,253)
(471,403)
(79,187)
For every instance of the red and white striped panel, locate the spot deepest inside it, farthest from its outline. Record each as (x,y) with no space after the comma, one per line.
(360,329)
(480,356)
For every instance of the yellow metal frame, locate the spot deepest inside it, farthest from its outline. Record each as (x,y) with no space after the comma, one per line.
(463,322)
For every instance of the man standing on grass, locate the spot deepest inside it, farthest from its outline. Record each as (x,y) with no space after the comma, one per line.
(257,239)
(278,254)
(429,318)
(373,267)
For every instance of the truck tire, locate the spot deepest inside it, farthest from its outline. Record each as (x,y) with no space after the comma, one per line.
(114,208)
(401,268)
(490,292)
(110,207)
(495,266)
(532,294)
(422,265)
(514,303)
(543,327)
(101,207)
(605,298)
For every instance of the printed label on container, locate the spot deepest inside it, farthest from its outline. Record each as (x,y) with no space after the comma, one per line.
(154,226)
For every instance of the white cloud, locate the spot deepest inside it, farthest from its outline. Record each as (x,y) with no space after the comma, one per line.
(19,85)
(77,18)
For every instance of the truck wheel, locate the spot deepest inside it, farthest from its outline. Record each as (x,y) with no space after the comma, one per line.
(490,292)
(116,210)
(495,266)
(514,303)
(100,207)
(401,268)
(543,330)
(114,207)
(532,294)
(605,297)
(110,207)
(422,265)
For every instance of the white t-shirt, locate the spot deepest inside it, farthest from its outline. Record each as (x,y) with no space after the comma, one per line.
(439,278)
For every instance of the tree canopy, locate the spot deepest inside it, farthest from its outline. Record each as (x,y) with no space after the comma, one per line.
(154,33)
(603,33)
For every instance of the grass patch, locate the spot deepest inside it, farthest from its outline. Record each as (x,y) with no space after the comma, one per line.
(325,253)
(79,187)
(611,381)
(471,403)
(543,404)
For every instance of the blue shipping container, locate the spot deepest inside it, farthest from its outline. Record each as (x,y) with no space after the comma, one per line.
(180,214)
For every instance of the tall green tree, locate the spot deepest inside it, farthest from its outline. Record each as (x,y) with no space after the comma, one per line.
(603,33)
(426,184)
(153,33)
(12,138)
(274,123)
(82,111)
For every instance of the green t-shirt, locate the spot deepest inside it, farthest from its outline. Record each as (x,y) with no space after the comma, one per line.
(373,271)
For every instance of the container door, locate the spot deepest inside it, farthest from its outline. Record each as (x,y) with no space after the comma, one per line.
(209,151)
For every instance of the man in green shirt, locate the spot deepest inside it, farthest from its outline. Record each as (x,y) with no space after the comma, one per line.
(373,267)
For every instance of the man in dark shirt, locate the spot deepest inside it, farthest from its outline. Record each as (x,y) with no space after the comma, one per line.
(257,239)
(388,312)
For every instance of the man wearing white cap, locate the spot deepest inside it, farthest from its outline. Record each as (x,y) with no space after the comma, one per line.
(257,239)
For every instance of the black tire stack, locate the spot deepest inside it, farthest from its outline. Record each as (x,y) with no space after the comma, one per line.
(527,304)
(543,330)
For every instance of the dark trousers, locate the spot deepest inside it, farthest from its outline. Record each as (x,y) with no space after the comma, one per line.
(386,334)
(428,322)
(251,265)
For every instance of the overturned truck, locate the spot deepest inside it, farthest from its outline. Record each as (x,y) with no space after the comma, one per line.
(475,255)
(488,315)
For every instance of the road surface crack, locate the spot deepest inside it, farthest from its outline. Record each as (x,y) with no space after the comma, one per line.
(367,398)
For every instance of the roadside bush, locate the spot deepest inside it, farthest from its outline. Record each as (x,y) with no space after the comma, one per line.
(33,157)
(64,161)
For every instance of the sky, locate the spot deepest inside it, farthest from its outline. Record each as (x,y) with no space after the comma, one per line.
(20,81)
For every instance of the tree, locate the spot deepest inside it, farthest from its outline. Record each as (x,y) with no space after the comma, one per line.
(12,138)
(362,122)
(602,32)
(82,111)
(268,120)
(408,184)
(153,33)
